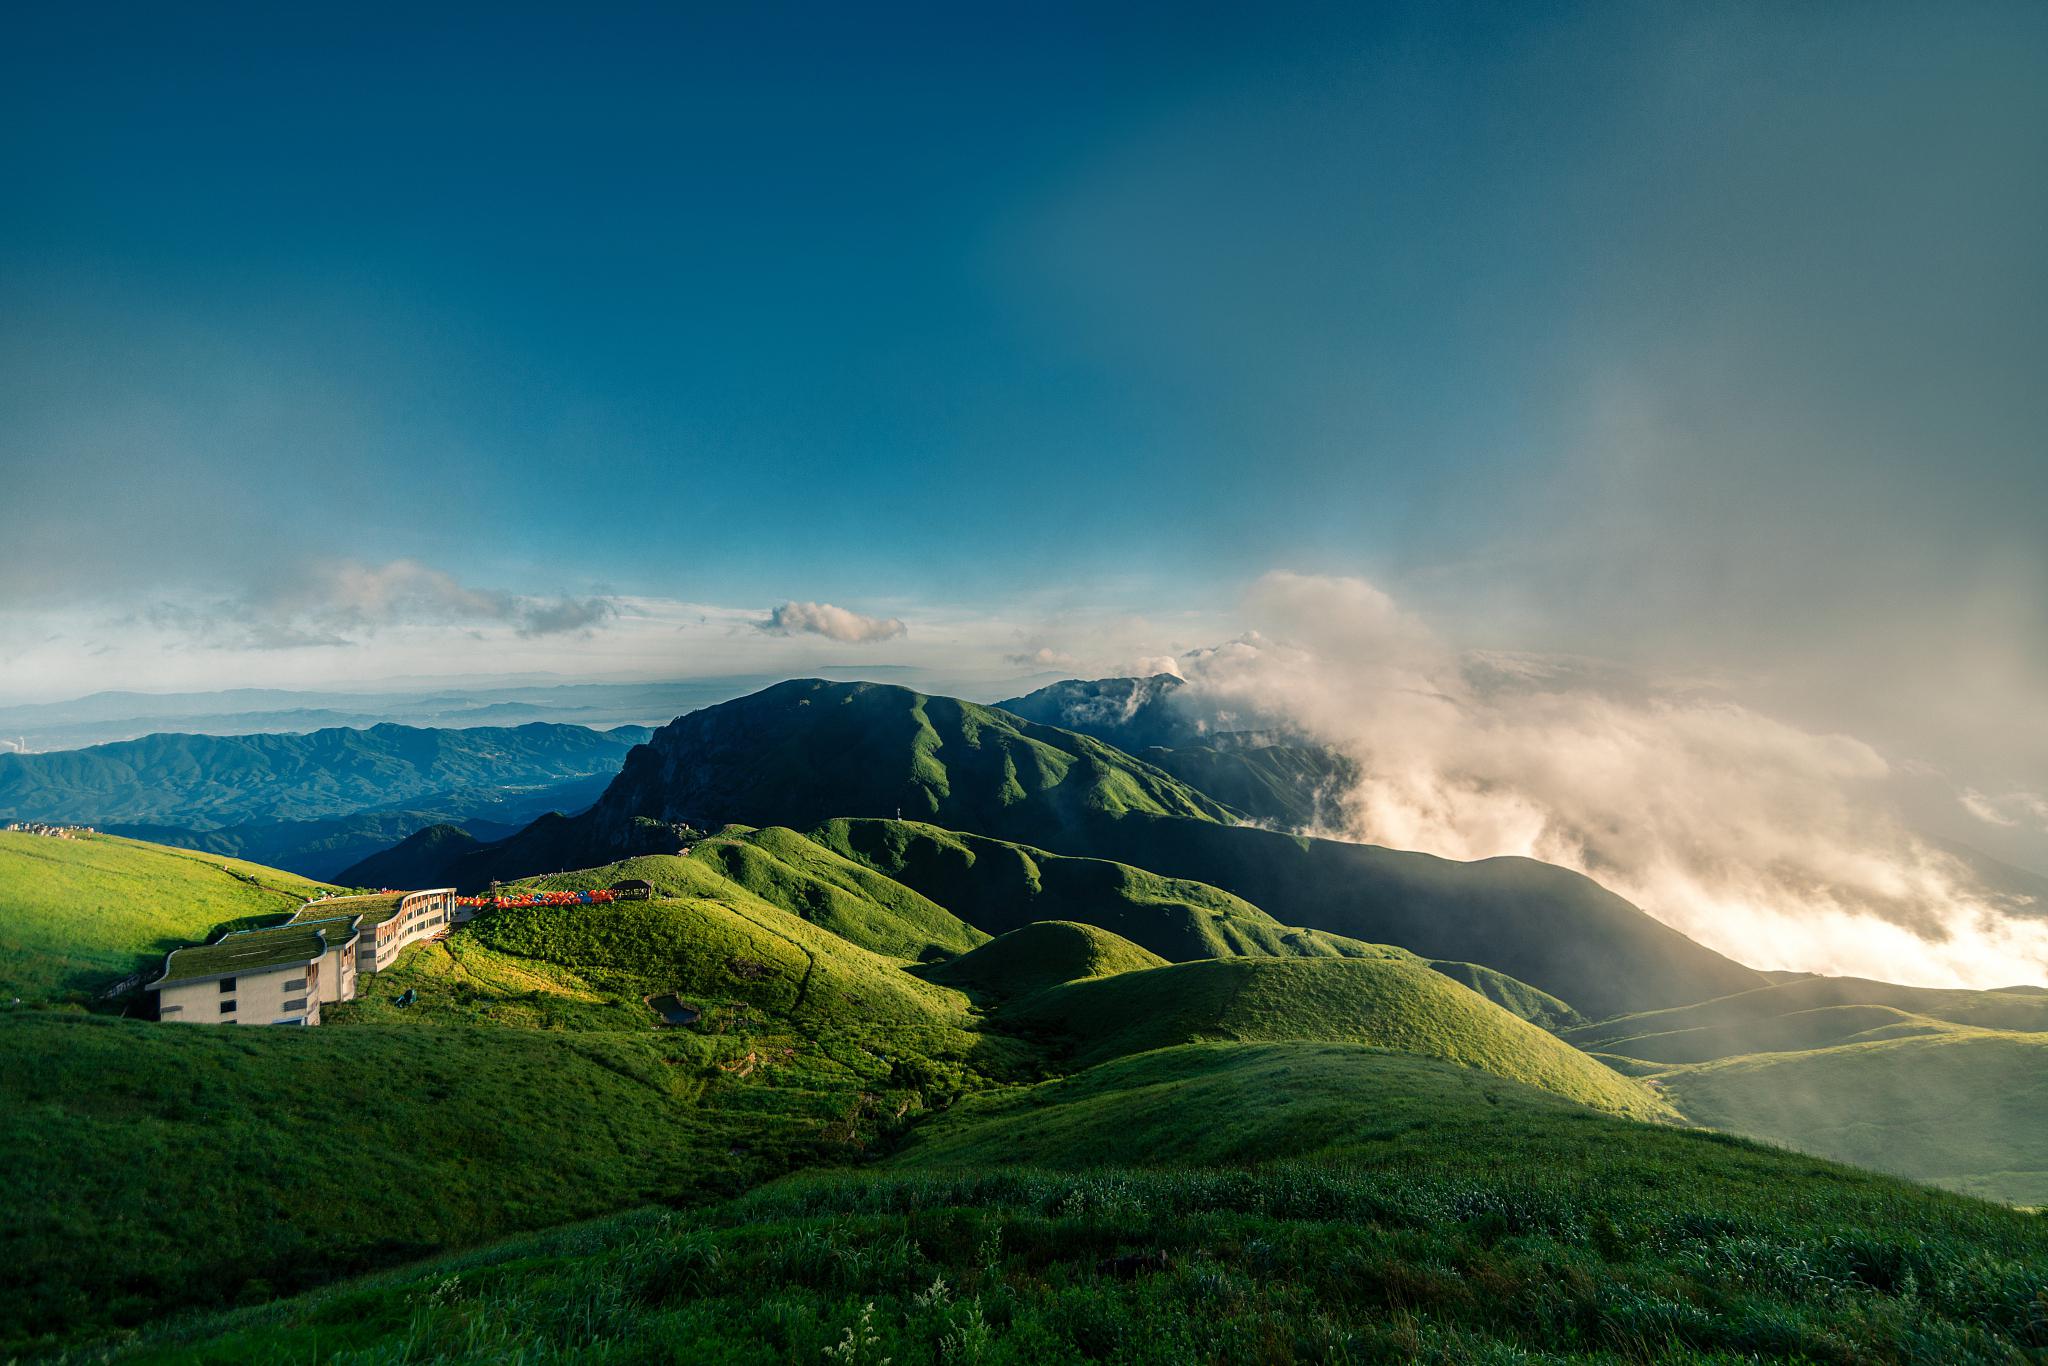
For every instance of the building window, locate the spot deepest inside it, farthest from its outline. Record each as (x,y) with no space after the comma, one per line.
(299,1004)
(165,1012)
(227,1007)
(296,984)
(227,984)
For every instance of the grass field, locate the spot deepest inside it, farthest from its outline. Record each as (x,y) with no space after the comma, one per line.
(79,915)
(1394,1003)
(1445,1217)
(153,1166)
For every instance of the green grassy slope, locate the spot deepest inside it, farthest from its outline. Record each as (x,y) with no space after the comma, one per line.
(1447,1217)
(527,1084)
(77,916)
(746,950)
(1392,1003)
(998,886)
(1045,953)
(835,893)
(1515,997)
(1961,1107)
(153,1166)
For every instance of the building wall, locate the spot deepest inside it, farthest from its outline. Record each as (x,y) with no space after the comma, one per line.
(419,915)
(337,974)
(267,996)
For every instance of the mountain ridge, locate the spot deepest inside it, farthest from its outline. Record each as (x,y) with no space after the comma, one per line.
(809,751)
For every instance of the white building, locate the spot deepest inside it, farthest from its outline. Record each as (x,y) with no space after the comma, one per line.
(282,974)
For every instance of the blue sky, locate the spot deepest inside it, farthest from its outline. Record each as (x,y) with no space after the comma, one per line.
(1706,336)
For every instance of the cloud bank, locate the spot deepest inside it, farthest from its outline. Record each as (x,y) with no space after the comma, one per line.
(340,602)
(1765,841)
(833,623)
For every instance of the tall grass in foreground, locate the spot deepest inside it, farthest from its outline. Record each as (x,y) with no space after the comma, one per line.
(1434,1262)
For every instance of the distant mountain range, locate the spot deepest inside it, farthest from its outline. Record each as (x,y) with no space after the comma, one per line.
(109,717)
(317,802)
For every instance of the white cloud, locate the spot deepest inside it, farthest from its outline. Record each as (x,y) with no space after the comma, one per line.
(335,597)
(834,623)
(1044,657)
(342,602)
(2012,810)
(1758,838)
(1149,666)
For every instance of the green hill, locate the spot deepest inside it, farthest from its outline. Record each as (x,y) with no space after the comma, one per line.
(1960,1107)
(79,915)
(421,859)
(1045,953)
(1390,1003)
(829,890)
(1136,1214)
(723,943)
(1285,784)
(998,886)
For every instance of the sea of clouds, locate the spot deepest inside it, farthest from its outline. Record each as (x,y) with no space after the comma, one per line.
(1768,842)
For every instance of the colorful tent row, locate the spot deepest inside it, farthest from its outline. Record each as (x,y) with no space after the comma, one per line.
(540,899)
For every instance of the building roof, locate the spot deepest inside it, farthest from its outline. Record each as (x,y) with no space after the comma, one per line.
(240,951)
(373,908)
(339,929)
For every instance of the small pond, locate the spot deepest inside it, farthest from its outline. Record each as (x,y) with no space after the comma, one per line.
(673,1011)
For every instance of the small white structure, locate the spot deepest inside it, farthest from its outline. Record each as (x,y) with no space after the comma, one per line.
(282,974)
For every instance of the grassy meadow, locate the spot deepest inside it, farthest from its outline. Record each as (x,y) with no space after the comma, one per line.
(1424,1213)
(1391,1003)
(78,915)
